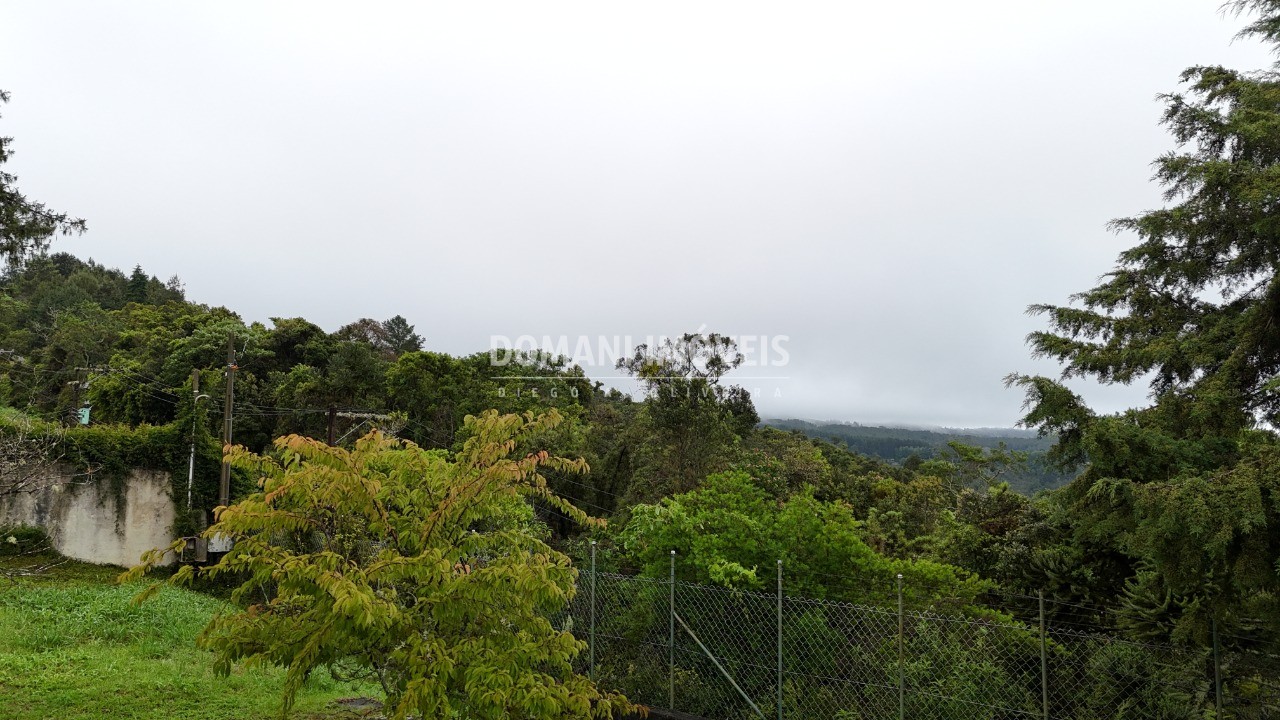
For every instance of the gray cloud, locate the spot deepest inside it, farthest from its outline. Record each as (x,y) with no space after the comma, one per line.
(888,185)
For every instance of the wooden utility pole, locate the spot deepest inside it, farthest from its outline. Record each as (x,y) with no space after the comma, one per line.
(73,417)
(333,419)
(78,386)
(224,488)
(195,400)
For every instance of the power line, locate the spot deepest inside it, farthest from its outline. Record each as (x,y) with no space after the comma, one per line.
(154,383)
(590,487)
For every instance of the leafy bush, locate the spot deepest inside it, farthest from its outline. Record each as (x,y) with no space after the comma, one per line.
(22,540)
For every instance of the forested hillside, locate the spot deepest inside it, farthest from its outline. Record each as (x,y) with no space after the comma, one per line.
(1033,471)
(125,345)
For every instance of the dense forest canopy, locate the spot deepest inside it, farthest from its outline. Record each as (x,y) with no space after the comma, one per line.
(911,446)
(79,334)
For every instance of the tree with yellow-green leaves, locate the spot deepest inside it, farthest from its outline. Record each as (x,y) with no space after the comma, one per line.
(424,572)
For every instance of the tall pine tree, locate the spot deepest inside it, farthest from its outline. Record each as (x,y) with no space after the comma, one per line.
(1188,488)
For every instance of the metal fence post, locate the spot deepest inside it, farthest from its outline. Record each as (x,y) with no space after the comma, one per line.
(902,696)
(671,637)
(1217,671)
(779,640)
(591,655)
(1044,662)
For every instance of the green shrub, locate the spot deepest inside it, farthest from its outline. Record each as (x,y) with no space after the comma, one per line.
(22,540)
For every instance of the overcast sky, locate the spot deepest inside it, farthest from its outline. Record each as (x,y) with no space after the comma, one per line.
(886,185)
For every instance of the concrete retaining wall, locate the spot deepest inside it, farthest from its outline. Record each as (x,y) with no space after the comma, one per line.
(86,521)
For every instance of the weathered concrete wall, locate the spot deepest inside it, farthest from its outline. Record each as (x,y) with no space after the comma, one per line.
(86,521)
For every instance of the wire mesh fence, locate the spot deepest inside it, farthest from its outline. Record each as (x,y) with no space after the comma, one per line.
(725,654)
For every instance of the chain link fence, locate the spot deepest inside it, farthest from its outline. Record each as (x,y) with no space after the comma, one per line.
(726,654)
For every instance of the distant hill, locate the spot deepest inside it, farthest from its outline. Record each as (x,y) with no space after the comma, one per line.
(897,444)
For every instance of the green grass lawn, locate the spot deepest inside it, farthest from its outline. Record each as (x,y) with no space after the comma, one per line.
(73,647)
